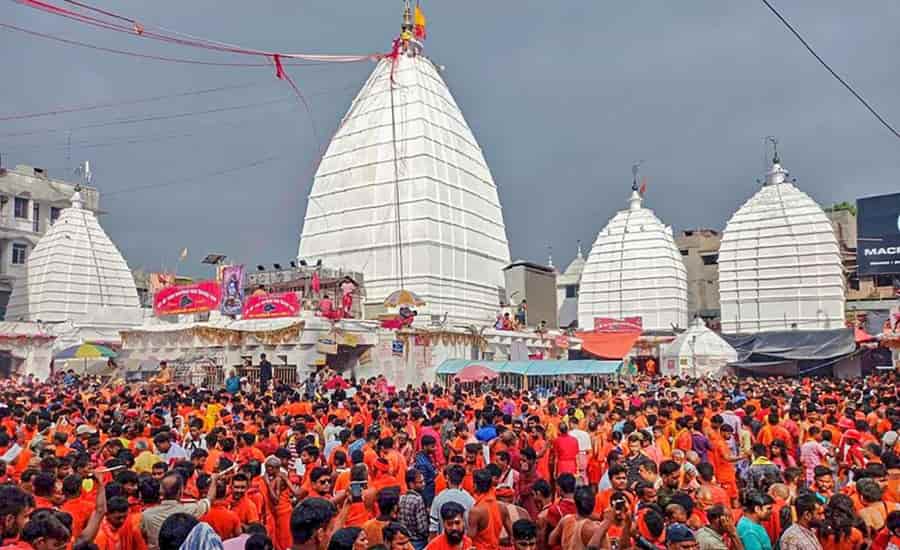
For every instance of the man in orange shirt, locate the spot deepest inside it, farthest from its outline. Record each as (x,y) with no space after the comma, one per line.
(224,521)
(77,507)
(724,461)
(772,431)
(453,536)
(116,532)
(241,504)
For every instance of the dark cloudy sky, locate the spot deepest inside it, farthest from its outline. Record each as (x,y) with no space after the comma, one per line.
(562,96)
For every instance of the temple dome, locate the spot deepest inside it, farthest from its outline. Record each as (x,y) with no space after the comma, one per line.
(634,269)
(779,262)
(453,239)
(74,271)
(567,284)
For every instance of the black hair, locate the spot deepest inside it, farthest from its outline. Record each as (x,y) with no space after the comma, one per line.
(566,483)
(309,516)
(524,529)
(175,529)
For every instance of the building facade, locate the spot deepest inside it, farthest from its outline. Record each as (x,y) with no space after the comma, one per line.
(535,285)
(700,253)
(30,202)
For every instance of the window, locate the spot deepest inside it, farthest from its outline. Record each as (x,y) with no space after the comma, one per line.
(710,259)
(854,282)
(884,280)
(36,218)
(19,251)
(685,252)
(571,291)
(21,208)
(54,214)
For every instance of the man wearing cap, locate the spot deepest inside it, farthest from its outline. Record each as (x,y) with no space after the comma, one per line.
(757,509)
(82,434)
(680,537)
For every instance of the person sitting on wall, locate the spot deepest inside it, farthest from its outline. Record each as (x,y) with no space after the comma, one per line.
(404,319)
(164,376)
(327,310)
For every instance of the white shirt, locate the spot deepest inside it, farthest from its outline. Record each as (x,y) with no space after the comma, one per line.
(584,440)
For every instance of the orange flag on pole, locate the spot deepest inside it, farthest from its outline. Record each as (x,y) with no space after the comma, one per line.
(419,24)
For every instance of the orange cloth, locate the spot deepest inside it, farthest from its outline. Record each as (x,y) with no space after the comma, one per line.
(851,542)
(224,521)
(127,537)
(440,543)
(608,345)
(373,529)
(357,515)
(278,519)
(489,537)
(81,511)
(246,510)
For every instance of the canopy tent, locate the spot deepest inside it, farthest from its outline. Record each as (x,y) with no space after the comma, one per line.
(475,373)
(608,345)
(697,351)
(791,352)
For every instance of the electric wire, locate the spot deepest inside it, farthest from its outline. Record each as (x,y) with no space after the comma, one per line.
(152,118)
(847,85)
(154,57)
(110,104)
(199,178)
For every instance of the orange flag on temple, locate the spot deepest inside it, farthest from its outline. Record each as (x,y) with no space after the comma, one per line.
(419,24)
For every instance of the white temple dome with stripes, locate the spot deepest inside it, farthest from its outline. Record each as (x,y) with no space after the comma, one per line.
(779,262)
(634,269)
(74,272)
(409,144)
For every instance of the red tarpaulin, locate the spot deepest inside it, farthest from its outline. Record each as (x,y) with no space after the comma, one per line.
(267,306)
(862,336)
(608,345)
(195,298)
(475,373)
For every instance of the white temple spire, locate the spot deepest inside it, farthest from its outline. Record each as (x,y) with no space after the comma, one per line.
(779,262)
(634,269)
(451,230)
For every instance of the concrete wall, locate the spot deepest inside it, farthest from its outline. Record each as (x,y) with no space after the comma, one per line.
(702,278)
(538,287)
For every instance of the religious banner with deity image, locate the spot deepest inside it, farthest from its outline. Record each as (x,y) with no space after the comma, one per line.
(232,289)
(180,299)
(268,306)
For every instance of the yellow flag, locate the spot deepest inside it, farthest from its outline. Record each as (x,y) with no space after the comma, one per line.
(419,22)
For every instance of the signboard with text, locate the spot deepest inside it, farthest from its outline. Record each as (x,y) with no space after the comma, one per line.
(628,324)
(878,235)
(181,299)
(268,306)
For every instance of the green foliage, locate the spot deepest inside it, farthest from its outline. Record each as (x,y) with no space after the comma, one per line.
(839,206)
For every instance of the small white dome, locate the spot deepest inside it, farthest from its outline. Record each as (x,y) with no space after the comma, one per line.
(634,269)
(779,263)
(73,270)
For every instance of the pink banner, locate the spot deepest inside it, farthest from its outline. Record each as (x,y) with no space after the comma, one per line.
(267,306)
(195,298)
(628,324)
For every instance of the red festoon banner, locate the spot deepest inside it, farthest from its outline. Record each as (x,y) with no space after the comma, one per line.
(266,306)
(194,298)
(628,324)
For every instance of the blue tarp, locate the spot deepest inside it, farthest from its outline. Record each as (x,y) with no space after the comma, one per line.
(535,368)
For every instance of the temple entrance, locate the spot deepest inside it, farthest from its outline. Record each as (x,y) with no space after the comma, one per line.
(9,364)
